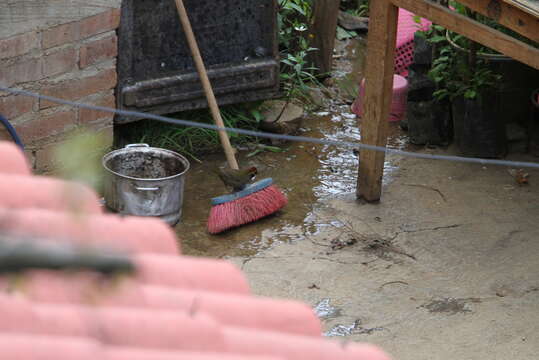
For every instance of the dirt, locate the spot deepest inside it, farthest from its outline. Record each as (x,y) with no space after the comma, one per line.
(444,267)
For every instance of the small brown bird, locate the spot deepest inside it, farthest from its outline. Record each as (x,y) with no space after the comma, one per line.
(237,179)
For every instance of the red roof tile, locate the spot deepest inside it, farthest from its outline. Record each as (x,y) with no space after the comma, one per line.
(135,235)
(24,192)
(230,309)
(122,353)
(190,273)
(32,347)
(12,160)
(174,307)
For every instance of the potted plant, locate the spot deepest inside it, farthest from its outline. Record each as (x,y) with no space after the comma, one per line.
(487,90)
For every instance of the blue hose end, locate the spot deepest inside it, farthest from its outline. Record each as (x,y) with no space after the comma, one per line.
(11,131)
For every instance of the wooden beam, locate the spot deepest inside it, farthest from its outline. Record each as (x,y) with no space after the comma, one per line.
(507,15)
(529,6)
(379,69)
(480,33)
(324,29)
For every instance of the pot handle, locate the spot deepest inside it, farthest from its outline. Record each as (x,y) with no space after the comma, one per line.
(136,145)
(147,188)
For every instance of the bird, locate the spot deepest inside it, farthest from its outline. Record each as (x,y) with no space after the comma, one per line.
(237,179)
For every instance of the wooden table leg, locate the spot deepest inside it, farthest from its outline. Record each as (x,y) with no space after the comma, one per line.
(379,70)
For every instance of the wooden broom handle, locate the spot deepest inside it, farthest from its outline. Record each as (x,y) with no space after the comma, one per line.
(212,102)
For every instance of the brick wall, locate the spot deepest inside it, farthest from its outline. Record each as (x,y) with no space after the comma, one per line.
(75,60)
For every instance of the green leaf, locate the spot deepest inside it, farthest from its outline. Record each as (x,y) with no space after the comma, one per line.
(342,34)
(287,62)
(257,115)
(291,6)
(440,94)
(437,39)
(470,94)
(256,152)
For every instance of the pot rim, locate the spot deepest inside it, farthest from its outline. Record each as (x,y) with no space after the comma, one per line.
(182,158)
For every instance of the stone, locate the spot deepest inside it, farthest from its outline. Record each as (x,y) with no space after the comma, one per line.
(318,97)
(289,121)
(352,22)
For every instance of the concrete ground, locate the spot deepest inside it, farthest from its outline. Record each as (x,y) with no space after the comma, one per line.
(445,267)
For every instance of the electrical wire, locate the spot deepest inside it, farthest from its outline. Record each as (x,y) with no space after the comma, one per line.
(337,143)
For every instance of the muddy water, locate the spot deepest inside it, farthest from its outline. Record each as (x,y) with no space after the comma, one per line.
(307,173)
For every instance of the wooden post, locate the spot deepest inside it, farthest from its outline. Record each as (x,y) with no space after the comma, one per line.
(324,28)
(379,70)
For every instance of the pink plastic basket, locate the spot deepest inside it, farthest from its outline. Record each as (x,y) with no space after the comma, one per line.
(404,53)
(398,103)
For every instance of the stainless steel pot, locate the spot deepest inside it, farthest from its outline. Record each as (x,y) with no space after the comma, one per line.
(145,181)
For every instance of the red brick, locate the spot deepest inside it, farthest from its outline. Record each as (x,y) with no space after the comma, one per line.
(60,62)
(79,88)
(21,72)
(45,126)
(61,34)
(100,23)
(18,45)
(89,116)
(98,50)
(15,105)
(74,31)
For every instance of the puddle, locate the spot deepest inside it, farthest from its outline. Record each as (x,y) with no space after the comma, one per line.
(353,329)
(307,173)
(324,310)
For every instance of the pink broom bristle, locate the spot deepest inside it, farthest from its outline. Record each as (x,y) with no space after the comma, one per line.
(246,209)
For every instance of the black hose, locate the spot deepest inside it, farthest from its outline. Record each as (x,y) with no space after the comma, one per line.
(11,131)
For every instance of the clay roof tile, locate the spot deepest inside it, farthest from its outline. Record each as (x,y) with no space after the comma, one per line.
(173,308)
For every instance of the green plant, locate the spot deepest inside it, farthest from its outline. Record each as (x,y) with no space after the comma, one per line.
(296,71)
(457,73)
(294,20)
(460,66)
(356,7)
(192,141)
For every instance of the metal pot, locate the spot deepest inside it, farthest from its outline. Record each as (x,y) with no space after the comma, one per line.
(145,181)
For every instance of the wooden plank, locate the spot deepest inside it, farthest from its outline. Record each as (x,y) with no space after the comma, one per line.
(508,15)
(378,93)
(530,6)
(324,29)
(473,30)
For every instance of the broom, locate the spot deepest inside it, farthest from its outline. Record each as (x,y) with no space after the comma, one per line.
(256,200)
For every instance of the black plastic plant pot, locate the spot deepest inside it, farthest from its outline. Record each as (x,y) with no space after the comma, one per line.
(429,122)
(479,126)
(518,80)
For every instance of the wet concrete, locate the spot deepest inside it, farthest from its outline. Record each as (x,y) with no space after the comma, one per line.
(307,174)
(444,267)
